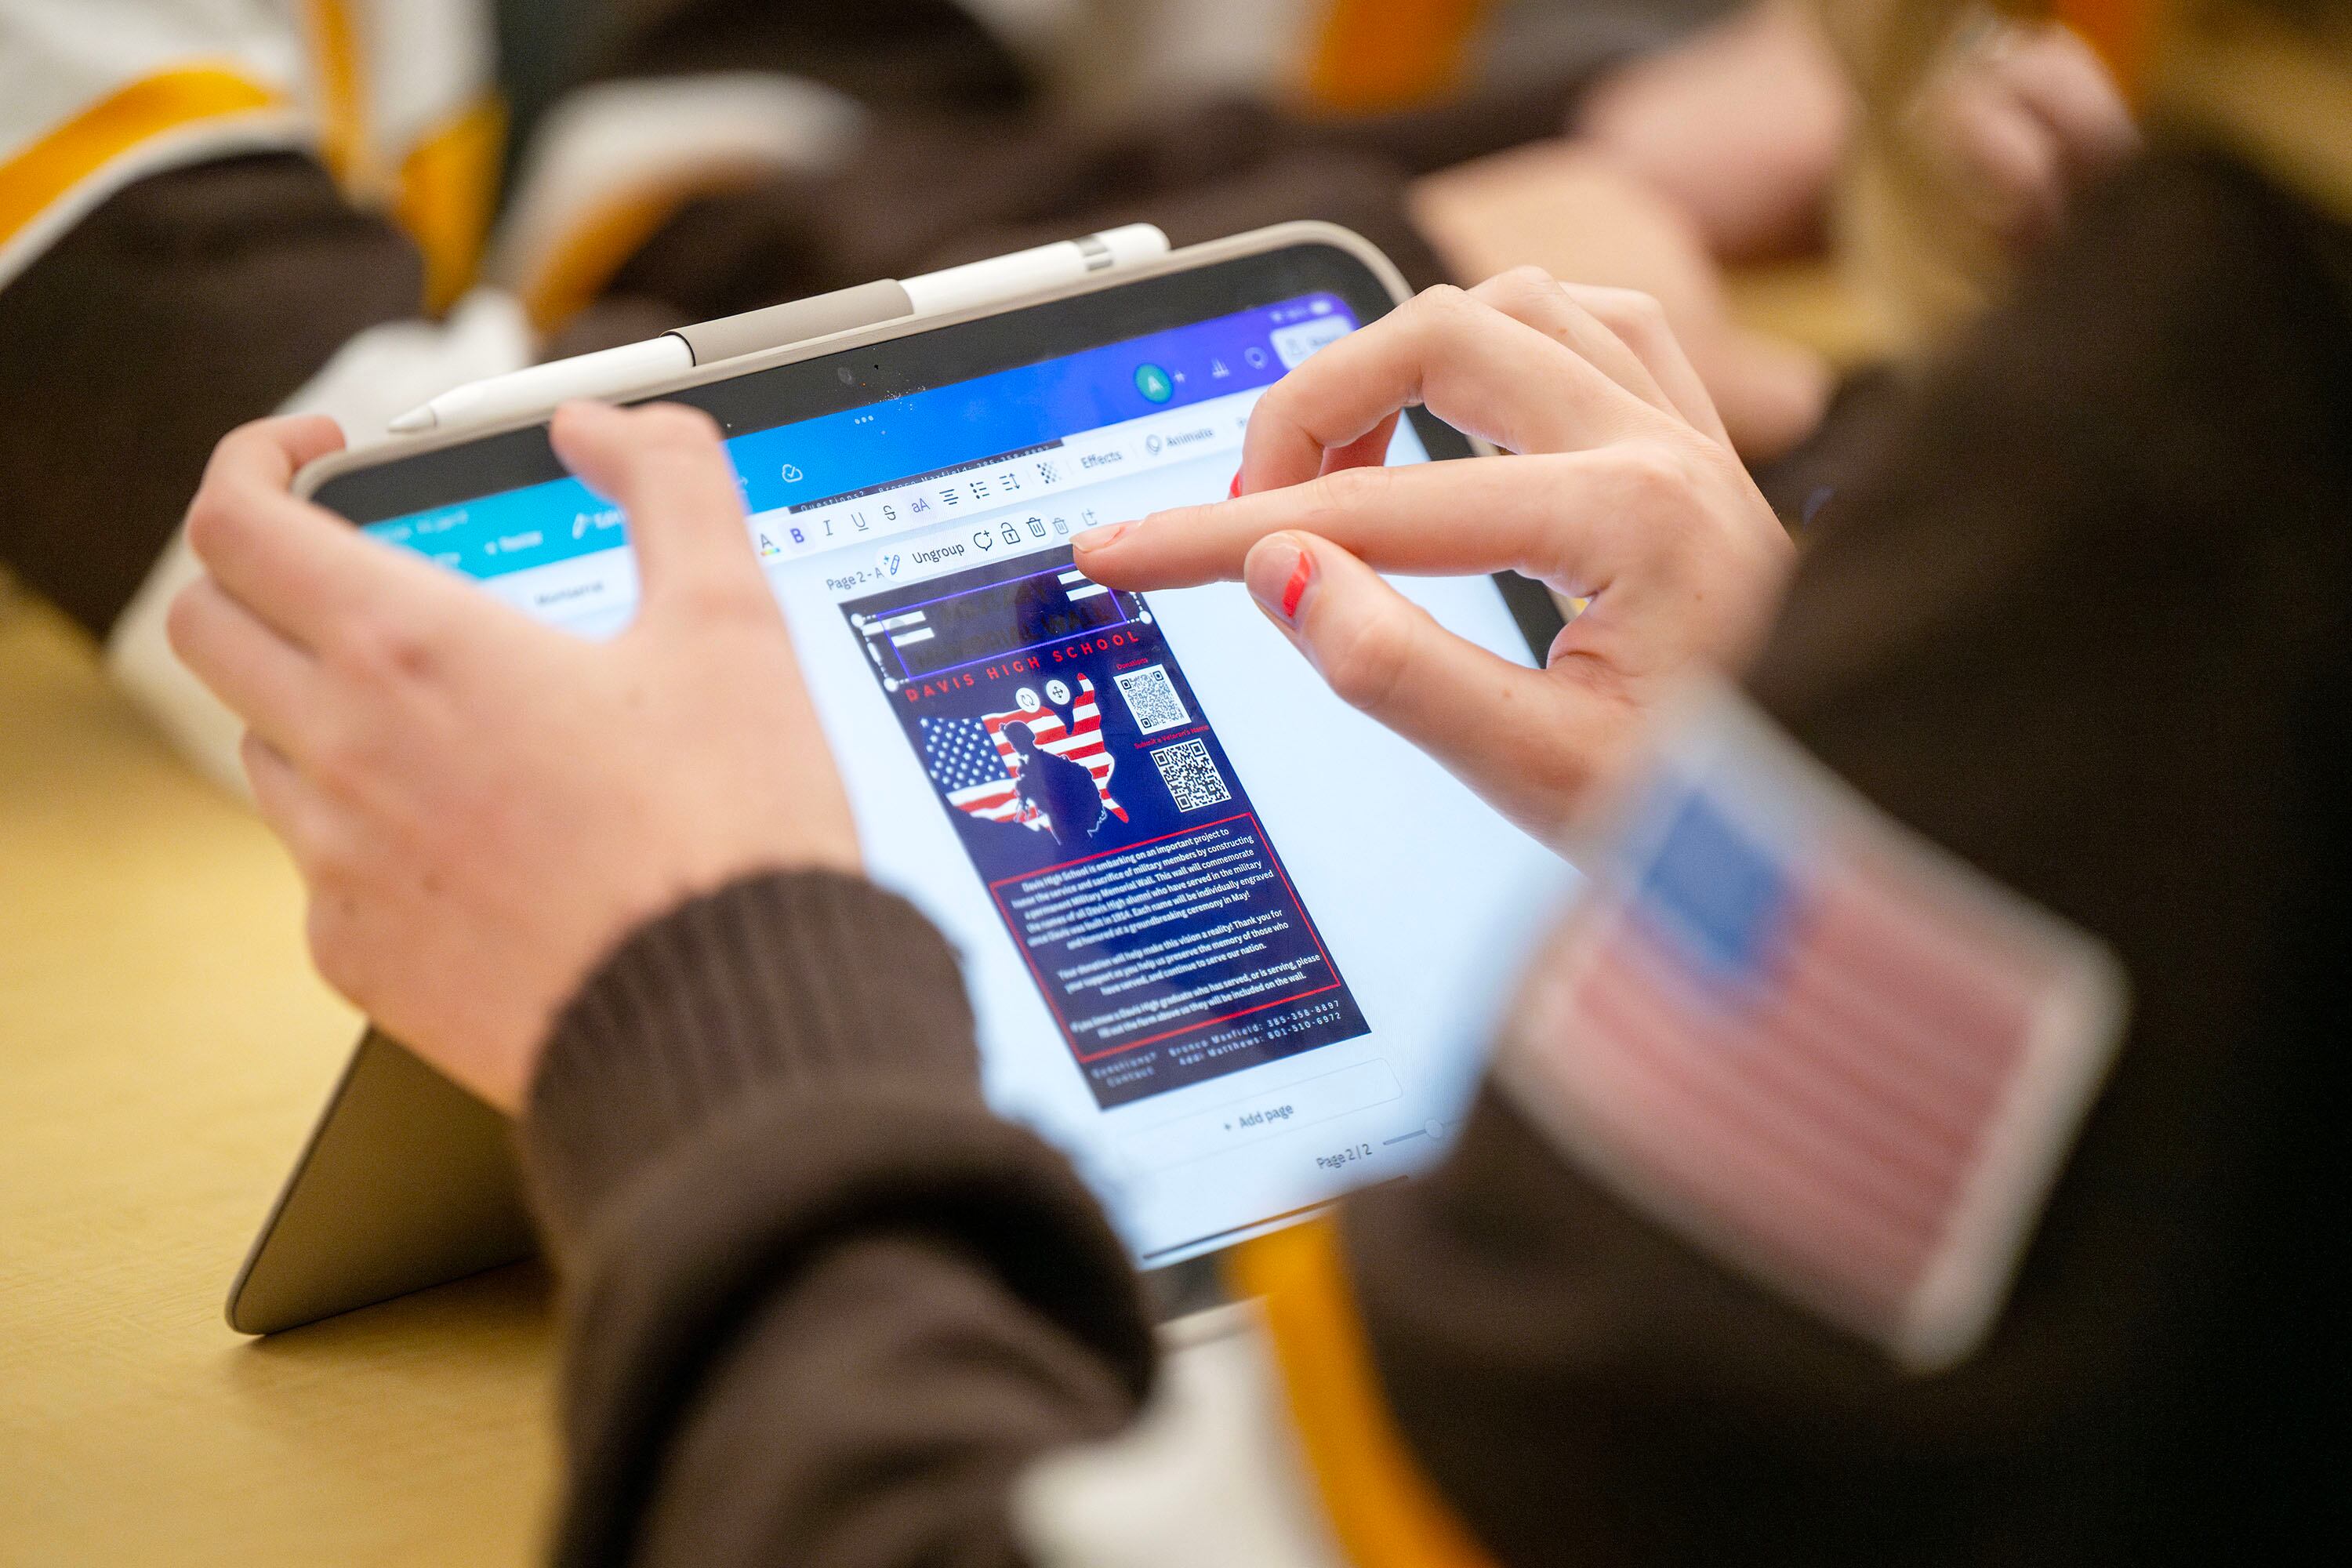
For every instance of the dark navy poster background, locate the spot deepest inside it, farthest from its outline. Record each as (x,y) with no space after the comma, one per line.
(1105,820)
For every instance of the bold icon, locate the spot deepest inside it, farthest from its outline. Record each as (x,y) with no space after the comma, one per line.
(1151,444)
(1011,534)
(1057,691)
(1153,383)
(799,538)
(1257,357)
(792,476)
(984,538)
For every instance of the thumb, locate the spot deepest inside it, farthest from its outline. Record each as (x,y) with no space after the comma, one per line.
(1523,739)
(664,466)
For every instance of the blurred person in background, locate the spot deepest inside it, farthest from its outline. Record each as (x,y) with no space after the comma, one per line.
(210,209)
(1943,1262)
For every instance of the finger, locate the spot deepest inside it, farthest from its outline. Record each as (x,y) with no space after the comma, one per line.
(1769,391)
(2059,81)
(299,569)
(1639,322)
(266,680)
(303,817)
(1562,518)
(2009,156)
(1515,735)
(274,451)
(1530,294)
(665,467)
(1473,366)
(1369,450)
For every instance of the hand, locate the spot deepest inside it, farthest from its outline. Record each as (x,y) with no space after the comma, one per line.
(1624,491)
(1570,209)
(482,807)
(2018,120)
(1742,126)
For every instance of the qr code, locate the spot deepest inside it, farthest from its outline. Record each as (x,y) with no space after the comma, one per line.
(1192,780)
(1152,699)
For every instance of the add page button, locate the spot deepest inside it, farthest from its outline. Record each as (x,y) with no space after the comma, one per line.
(1264,1114)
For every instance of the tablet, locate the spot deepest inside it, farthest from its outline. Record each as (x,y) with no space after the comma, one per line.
(1230,945)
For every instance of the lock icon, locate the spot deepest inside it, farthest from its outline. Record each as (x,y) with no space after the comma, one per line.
(1011,534)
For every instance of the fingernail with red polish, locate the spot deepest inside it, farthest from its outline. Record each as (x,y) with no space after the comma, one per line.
(1234,491)
(1096,538)
(1279,574)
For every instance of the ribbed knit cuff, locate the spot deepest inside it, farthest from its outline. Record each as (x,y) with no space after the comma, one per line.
(786,984)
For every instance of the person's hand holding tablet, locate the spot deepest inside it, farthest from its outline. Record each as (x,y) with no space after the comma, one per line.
(1621,488)
(483,806)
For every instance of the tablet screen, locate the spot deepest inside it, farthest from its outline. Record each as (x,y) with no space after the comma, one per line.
(1232,945)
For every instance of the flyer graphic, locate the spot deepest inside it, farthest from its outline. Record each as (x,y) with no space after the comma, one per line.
(1098,808)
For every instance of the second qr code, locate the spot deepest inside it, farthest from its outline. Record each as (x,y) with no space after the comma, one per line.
(1152,699)
(1190,775)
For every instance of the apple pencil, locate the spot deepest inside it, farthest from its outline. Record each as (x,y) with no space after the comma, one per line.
(611,372)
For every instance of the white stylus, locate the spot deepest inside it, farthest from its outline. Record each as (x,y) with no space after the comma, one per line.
(613,372)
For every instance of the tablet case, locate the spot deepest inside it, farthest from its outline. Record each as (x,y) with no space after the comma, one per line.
(407,1181)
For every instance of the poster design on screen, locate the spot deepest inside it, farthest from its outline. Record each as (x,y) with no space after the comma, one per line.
(1107,822)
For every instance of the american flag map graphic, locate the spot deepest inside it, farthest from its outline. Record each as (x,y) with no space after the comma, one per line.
(1835,1058)
(974,762)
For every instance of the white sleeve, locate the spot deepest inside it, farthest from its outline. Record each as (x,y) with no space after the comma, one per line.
(1209,1471)
(95,94)
(374,376)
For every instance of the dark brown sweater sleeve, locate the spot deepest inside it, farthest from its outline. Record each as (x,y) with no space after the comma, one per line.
(185,304)
(821,1304)
(2084,625)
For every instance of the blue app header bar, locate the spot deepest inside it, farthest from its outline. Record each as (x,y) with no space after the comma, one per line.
(802,465)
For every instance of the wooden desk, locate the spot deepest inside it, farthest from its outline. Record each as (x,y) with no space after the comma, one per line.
(163,1047)
(1806,301)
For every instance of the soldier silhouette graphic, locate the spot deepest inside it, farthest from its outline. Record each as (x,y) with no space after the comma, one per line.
(1058,786)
